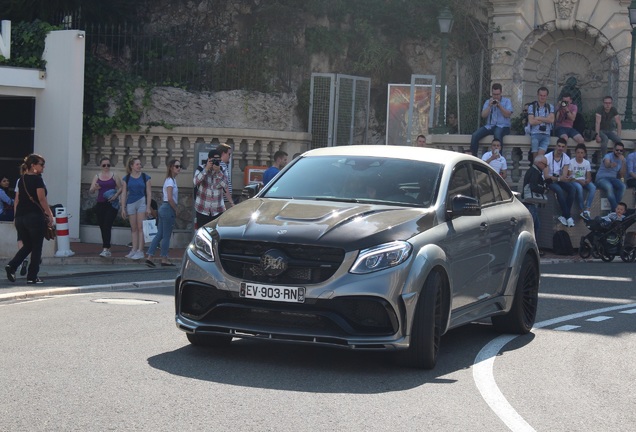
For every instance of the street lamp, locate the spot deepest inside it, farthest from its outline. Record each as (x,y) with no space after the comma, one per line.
(628,123)
(445,21)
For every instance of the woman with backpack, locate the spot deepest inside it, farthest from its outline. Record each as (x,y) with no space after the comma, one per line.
(135,204)
(167,215)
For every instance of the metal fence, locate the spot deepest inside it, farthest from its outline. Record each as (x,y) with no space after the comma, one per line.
(187,58)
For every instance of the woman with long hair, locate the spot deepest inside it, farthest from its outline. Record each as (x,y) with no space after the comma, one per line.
(108,187)
(30,221)
(167,215)
(135,204)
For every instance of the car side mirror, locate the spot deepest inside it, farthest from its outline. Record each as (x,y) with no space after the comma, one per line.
(250,190)
(462,205)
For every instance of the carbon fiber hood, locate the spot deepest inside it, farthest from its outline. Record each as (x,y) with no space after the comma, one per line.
(349,226)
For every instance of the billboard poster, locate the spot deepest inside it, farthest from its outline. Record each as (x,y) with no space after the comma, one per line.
(398,112)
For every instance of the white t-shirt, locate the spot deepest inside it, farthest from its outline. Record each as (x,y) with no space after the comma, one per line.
(556,167)
(578,171)
(175,190)
(499,164)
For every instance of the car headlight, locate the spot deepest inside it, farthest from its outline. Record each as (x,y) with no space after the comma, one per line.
(381,257)
(201,245)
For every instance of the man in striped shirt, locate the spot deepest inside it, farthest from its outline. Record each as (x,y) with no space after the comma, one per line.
(210,184)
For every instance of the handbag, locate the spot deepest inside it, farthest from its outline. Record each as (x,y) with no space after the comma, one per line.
(150,229)
(533,197)
(50,232)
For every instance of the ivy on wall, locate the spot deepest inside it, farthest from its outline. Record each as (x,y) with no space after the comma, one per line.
(27,44)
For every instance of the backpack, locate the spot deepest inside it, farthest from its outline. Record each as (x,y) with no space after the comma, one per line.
(143,175)
(561,244)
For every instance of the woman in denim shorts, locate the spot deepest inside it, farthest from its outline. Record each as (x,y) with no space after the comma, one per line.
(135,204)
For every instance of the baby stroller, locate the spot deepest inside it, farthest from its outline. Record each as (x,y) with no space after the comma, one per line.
(607,239)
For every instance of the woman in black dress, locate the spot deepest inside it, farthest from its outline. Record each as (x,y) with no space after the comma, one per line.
(31,207)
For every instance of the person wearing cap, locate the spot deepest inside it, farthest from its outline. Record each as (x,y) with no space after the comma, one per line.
(210,184)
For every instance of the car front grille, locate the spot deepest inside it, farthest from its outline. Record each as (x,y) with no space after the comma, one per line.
(306,264)
(339,317)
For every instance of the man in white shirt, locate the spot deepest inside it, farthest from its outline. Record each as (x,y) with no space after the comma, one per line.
(555,174)
(495,159)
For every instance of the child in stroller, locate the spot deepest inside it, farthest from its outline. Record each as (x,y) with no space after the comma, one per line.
(606,238)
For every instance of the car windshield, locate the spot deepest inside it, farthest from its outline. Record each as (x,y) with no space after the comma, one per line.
(360,179)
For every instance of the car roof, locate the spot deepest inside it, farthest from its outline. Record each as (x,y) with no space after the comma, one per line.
(398,152)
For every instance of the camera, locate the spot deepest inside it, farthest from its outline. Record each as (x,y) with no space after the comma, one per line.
(564,104)
(494,102)
(543,128)
(216,162)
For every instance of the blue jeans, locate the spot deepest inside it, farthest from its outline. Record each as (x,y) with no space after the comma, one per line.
(590,188)
(605,135)
(167,218)
(614,189)
(564,192)
(498,132)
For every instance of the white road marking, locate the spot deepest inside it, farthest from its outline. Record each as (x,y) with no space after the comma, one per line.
(566,328)
(585,298)
(484,364)
(599,318)
(587,277)
(633,311)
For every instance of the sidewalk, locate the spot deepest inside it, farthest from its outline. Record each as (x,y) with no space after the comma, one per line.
(86,261)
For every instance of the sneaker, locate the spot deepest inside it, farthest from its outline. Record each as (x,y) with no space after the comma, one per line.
(138,255)
(586,215)
(35,281)
(23,267)
(10,273)
(131,253)
(570,222)
(105,253)
(562,220)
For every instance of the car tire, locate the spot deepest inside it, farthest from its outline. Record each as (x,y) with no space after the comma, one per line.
(521,317)
(207,340)
(427,326)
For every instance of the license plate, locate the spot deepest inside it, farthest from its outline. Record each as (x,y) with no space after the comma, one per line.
(272,292)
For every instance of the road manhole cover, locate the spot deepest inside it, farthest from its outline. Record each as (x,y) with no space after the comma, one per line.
(123,301)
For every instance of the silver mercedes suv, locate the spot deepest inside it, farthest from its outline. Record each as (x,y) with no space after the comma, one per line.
(364,247)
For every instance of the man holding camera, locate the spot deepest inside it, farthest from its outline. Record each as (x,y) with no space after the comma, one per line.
(554,173)
(497,110)
(540,119)
(565,120)
(608,124)
(210,184)
(495,159)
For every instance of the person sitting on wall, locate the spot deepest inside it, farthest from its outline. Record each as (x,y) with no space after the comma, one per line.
(608,124)
(555,174)
(451,124)
(540,119)
(564,126)
(609,174)
(495,159)
(630,177)
(497,111)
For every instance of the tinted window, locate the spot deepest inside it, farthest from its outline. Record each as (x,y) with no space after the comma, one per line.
(504,189)
(484,185)
(363,179)
(461,183)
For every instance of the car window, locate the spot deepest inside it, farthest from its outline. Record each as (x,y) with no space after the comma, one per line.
(484,185)
(460,183)
(360,179)
(502,186)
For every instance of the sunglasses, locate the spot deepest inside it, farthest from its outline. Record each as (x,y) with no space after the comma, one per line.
(177,166)
(41,163)
(618,150)
(105,165)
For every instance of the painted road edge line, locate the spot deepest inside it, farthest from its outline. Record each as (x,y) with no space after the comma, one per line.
(483,370)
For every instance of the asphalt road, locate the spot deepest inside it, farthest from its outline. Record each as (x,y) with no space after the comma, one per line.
(115,361)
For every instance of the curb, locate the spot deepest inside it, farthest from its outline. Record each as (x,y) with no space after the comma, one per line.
(27,295)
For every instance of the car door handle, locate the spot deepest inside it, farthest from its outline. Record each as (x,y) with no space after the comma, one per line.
(514,221)
(483,226)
